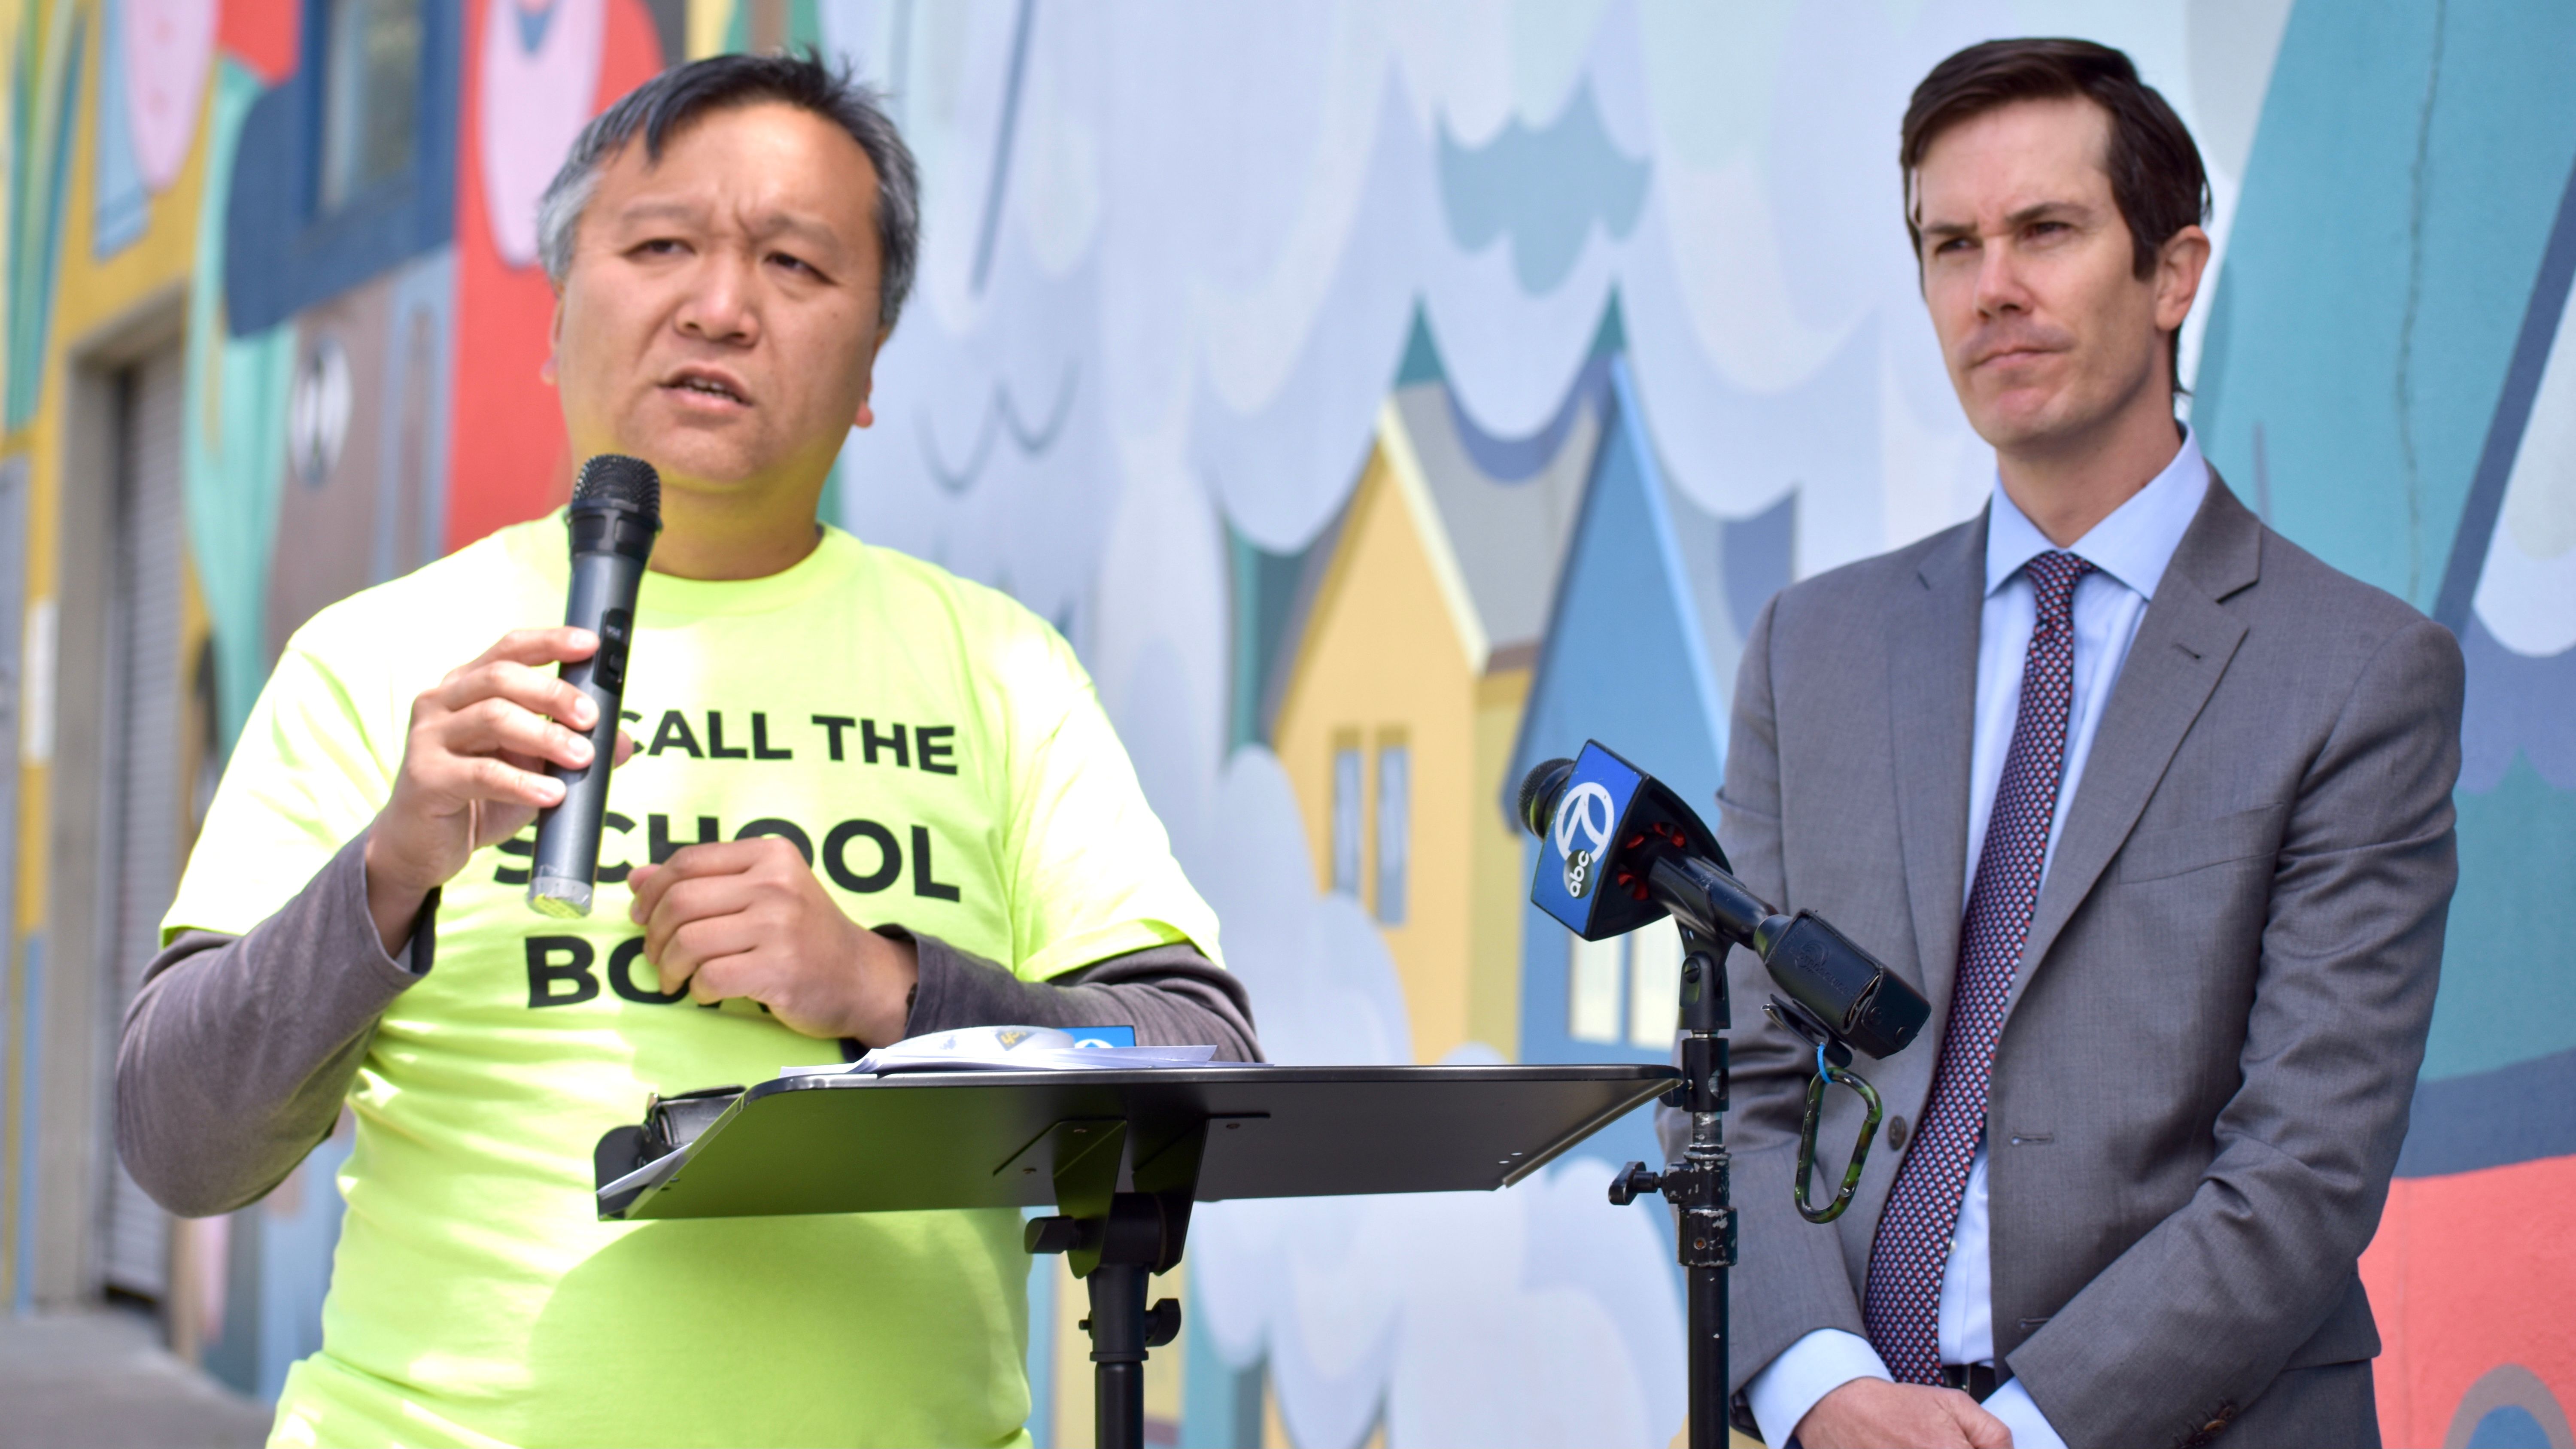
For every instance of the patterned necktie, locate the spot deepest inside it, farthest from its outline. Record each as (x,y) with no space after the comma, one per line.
(1912,1248)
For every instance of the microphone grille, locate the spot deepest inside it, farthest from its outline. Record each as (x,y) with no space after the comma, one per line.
(614,480)
(1540,790)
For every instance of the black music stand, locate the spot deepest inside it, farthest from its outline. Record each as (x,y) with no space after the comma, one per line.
(1121,1155)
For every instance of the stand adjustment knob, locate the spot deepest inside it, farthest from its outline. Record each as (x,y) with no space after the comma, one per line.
(1052,1235)
(1163,1323)
(1633,1182)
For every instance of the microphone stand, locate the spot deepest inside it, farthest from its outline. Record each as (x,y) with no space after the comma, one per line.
(1697,1184)
(1829,980)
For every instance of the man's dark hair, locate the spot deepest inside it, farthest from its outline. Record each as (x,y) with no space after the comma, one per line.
(682,94)
(2157,180)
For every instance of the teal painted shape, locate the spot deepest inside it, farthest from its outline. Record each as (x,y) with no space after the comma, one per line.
(2509,961)
(22,184)
(1610,339)
(1545,189)
(2398,203)
(120,204)
(1421,354)
(2401,188)
(234,454)
(37,259)
(1268,591)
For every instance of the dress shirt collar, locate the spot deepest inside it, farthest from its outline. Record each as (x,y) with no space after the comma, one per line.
(2133,545)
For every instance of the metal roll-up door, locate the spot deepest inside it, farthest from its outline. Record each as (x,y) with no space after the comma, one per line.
(13,679)
(145,832)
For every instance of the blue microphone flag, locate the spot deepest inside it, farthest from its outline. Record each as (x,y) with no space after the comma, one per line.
(1589,814)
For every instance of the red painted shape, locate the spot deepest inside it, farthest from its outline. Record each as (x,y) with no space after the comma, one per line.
(630,53)
(2468,1272)
(261,34)
(507,457)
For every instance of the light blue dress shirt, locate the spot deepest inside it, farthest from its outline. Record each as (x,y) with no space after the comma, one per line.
(2129,551)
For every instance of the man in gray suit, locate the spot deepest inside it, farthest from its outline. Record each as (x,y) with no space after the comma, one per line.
(2156,810)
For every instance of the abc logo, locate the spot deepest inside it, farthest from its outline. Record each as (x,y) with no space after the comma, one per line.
(1578,874)
(1589,814)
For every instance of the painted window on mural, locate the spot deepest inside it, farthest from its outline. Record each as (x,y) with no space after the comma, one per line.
(370,96)
(1347,819)
(1394,829)
(1594,990)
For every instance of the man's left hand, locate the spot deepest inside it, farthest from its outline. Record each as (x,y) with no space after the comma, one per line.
(747,918)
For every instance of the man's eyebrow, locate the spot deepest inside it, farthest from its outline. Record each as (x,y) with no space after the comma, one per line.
(801,227)
(2043,210)
(647,211)
(650,206)
(2035,212)
(776,223)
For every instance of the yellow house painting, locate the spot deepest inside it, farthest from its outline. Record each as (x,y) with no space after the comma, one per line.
(1402,690)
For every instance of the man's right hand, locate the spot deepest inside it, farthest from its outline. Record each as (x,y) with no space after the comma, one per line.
(1876,1414)
(474,768)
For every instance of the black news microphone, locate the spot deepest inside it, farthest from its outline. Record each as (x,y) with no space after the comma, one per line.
(616,511)
(1627,850)
(1653,856)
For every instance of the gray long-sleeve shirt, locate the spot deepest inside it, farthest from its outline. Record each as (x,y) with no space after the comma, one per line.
(238,1050)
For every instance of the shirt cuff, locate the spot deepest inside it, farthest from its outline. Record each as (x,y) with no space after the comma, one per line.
(2030,1428)
(421,951)
(343,883)
(1805,1372)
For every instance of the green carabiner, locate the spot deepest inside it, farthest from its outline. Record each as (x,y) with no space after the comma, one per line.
(1807,1138)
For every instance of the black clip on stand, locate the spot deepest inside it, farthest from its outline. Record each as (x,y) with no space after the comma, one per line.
(1833,1063)
(1114,1241)
(1697,1185)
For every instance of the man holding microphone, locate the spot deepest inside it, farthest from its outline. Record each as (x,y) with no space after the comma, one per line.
(2154,806)
(858,799)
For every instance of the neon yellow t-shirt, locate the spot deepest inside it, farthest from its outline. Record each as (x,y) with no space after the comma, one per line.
(941,755)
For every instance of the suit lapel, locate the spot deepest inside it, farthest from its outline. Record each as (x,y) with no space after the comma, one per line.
(1932,667)
(2182,647)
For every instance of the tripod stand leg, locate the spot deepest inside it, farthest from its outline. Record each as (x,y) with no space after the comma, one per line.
(1707,1359)
(1118,1355)
(1705,1227)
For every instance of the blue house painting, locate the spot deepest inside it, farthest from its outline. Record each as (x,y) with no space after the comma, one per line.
(1640,654)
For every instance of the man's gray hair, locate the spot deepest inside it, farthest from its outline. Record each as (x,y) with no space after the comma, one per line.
(682,94)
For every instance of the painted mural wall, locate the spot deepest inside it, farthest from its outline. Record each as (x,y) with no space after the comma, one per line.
(1383,397)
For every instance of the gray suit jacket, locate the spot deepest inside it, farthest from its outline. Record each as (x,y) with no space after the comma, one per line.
(2204,1076)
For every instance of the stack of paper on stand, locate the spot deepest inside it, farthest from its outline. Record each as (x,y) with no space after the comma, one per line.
(1008,1049)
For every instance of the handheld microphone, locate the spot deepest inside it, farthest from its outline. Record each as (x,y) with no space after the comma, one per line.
(1619,849)
(616,511)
